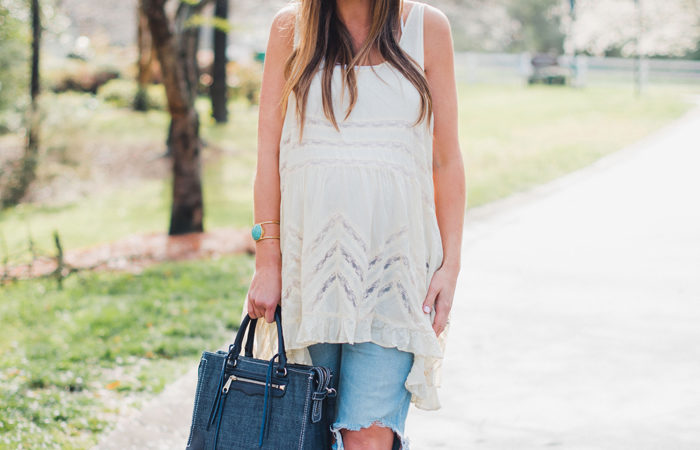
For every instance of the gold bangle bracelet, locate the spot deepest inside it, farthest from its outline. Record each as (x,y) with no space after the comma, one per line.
(268,237)
(270,221)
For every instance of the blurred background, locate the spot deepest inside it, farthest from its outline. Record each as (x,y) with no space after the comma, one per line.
(127,152)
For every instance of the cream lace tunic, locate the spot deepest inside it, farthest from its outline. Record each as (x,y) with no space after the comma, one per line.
(359,234)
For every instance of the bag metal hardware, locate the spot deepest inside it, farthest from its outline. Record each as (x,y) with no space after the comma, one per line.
(249,380)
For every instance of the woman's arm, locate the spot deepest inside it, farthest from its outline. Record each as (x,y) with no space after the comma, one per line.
(448,167)
(266,286)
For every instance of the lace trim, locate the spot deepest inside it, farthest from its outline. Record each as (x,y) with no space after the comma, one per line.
(336,219)
(391,145)
(286,169)
(326,265)
(338,277)
(360,123)
(292,261)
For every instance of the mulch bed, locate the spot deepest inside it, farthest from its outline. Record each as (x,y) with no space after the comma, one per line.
(134,253)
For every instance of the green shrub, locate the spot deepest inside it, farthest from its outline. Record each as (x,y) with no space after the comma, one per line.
(14,83)
(123,93)
(244,81)
(80,76)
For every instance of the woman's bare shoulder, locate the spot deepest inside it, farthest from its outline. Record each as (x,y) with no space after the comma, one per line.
(437,35)
(280,41)
(282,28)
(433,14)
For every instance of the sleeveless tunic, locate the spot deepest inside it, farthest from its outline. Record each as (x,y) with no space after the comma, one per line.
(359,235)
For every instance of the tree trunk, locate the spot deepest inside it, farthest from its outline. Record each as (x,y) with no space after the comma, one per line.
(218,90)
(32,149)
(145,60)
(187,43)
(187,206)
(25,174)
(36,46)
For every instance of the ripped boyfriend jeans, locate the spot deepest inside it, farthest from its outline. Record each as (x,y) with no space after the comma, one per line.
(370,381)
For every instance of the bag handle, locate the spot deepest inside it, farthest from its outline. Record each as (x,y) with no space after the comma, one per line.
(249,325)
(251,338)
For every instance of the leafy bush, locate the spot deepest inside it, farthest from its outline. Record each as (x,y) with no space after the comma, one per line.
(244,81)
(80,76)
(14,51)
(122,93)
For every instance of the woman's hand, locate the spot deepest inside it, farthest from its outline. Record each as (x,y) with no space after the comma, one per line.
(265,292)
(440,296)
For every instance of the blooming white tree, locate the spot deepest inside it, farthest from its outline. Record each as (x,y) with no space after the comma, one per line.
(479,24)
(646,27)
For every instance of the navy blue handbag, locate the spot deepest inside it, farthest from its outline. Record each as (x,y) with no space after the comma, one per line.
(247,403)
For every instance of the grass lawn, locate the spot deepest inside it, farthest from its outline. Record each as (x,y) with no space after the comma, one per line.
(512,137)
(517,137)
(71,359)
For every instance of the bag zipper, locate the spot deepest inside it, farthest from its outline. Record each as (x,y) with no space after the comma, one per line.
(249,380)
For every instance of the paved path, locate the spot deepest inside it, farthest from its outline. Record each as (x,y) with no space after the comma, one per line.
(579,312)
(576,322)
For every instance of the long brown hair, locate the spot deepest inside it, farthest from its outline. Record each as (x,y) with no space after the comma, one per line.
(323,37)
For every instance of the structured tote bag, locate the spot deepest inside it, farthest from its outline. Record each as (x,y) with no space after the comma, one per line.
(246,403)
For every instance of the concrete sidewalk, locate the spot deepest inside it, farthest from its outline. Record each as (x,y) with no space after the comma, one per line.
(577,318)
(576,322)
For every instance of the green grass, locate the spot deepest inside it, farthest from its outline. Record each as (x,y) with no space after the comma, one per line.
(517,137)
(70,359)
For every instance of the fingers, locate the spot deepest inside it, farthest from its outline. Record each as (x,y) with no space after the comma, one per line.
(257,309)
(440,321)
(253,309)
(249,305)
(429,302)
(443,306)
(270,314)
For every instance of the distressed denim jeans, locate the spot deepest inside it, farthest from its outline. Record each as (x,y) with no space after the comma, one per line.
(370,381)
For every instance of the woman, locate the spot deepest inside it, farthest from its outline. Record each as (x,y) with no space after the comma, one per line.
(360,194)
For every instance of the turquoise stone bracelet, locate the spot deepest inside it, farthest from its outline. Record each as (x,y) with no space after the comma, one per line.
(257,231)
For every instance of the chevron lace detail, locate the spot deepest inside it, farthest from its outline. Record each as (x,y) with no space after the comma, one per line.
(336,219)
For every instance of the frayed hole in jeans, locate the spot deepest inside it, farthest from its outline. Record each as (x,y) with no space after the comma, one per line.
(400,441)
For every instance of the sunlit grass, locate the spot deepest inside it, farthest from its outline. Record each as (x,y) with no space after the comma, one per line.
(71,358)
(517,137)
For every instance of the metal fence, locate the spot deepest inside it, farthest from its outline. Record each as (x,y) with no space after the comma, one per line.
(474,67)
